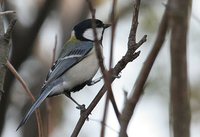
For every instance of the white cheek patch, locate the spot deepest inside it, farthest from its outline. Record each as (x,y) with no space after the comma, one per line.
(88,34)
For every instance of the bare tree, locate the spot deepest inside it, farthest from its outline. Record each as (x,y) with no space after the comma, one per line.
(175,20)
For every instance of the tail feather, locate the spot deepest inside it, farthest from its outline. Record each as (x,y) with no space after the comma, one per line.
(37,103)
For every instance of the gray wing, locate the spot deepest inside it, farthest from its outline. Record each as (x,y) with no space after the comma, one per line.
(63,64)
(66,62)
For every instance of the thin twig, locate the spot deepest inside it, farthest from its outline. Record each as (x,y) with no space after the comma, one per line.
(110,94)
(139,85)
(132,35)
(27,90)
(106,74)
(19,78)
(7,12)
(104,116)
(113,32)
(105,125)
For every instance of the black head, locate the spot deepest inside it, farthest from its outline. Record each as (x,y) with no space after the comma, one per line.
(84,32)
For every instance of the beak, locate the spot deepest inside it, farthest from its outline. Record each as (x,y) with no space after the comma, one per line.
(106,26)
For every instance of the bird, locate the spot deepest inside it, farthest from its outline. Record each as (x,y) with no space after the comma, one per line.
(75,67)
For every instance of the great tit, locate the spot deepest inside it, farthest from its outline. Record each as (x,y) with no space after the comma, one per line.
(75,67)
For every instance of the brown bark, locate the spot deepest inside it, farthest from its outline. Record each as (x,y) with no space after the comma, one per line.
(180,103)
(5,44)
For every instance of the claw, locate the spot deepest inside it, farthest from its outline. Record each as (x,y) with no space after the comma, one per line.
(117,76)
(92,82)
(81,107)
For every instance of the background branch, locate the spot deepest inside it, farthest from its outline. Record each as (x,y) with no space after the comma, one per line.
(6,12)
(27,90)
(137,90)
(180,101)
(5,44)
(110,94)
(105,112)
(23,38)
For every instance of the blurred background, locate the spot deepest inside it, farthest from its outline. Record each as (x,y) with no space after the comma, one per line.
(39,21)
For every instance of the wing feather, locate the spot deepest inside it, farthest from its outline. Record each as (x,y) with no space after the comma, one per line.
(66,62)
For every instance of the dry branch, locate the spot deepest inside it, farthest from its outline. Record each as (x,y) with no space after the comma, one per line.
(106,74)
(180,101)
(111,96)
(140,82)
(5,44)
(103,127)
(7,12)
(27,90)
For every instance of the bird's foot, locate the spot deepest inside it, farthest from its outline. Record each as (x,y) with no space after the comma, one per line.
(81,107)
(117,76)
(92,82)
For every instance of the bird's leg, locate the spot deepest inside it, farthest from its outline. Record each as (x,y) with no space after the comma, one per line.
(92,82)
(81,107)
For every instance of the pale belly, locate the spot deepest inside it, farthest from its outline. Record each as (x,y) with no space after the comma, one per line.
(77,75)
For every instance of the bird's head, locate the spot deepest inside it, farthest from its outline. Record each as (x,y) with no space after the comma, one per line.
(84,31)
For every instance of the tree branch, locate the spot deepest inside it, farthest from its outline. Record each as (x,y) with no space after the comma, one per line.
(110,95)
(180,103)
(7,12)
(106,74)
(137,90)
(27,90)
(104,116)
(5,44)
